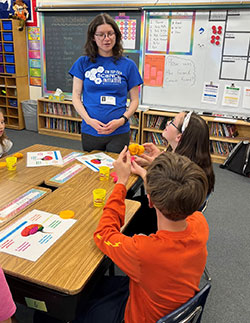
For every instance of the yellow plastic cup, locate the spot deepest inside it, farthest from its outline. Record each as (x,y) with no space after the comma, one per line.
(11,163)
(104,173)
(99,196)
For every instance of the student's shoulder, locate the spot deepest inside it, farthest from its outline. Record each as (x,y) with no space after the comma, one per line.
(7,144)
(198,219)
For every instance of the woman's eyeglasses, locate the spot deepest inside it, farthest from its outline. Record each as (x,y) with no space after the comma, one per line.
(102,36)
(171,122)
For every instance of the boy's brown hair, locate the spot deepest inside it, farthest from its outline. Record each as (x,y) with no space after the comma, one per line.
(176,185)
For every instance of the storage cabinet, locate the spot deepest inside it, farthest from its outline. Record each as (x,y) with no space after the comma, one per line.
(224,133)
(14,86)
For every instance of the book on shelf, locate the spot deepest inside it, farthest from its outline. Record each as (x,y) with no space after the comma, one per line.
(133,135)
(221,148)
(223,130)
(134,120)
(60,109)
(63,125)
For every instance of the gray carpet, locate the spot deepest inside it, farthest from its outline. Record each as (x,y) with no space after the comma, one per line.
(228,215)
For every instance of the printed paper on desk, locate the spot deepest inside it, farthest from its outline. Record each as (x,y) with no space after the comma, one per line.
(37,242)
(19,204)
(70,157)
(44,158)
(94,161)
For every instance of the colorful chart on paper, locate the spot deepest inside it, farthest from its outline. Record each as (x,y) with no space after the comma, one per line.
(94,161)
(32,235)
(44,158)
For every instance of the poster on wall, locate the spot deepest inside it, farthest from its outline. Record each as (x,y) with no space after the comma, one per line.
(6,10)
(34,56)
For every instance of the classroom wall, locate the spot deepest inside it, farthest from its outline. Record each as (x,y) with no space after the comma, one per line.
(36,91)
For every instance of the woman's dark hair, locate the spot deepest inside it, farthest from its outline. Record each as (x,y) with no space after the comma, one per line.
(194,144)
(91,49)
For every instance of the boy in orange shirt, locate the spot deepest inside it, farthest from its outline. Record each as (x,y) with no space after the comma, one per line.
(164,268)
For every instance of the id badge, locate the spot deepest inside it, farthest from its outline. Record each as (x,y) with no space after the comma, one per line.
(108,100)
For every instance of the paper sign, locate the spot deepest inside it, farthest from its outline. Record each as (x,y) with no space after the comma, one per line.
(37,305)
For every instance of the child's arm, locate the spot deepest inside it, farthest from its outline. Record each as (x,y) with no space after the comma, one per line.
(121,249)
(7,304)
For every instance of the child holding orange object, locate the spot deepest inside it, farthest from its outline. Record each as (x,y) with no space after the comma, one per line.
(5,142)
(176,254)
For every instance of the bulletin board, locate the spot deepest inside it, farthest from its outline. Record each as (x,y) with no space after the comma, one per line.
(64,35)
(198,60)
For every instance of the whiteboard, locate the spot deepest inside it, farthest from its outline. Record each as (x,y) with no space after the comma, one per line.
(198,60)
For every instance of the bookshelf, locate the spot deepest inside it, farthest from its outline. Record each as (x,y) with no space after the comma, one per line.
(135,127)
(60,119)
(14,85)
(224,133)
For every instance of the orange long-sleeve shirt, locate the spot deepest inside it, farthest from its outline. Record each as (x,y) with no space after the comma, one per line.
(164,268)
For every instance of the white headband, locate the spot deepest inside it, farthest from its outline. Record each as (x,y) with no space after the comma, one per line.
(186,121)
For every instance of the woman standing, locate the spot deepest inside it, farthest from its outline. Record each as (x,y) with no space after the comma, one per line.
(105,78)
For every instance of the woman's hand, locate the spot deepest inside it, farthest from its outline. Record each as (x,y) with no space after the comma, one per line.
(111,126)
(96,124)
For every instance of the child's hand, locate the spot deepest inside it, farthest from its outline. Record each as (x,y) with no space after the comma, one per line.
(138,170)
(151,150)
(144,160)
(123,166)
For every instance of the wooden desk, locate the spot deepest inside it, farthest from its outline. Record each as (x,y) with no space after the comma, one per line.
(10,191)
(64,274)
(32,175)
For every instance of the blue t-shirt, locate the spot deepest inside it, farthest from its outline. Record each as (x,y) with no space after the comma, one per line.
(105,87)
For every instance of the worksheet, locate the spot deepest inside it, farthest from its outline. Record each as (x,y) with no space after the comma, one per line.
(44,158)
(33,234)
(94,161)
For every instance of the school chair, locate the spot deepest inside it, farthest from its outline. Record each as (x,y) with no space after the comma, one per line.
(191,311)
(202,209)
